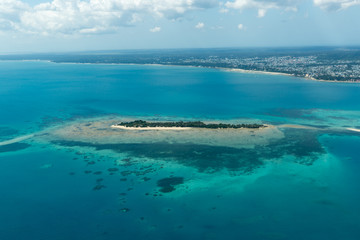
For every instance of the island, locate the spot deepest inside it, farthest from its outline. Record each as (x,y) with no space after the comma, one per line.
(141,124)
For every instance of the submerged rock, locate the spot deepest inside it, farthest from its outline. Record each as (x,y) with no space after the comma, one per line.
(124,210)
(113,169)
(99,187)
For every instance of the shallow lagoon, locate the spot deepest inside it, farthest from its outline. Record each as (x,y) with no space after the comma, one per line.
(291,183)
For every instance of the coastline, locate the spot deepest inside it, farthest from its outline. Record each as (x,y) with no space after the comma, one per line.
(232,70)
(240,70)
(257,72)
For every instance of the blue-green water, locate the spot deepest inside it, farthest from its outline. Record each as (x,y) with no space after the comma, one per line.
(303,186)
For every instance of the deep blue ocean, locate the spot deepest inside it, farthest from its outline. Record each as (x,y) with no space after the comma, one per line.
(309,189)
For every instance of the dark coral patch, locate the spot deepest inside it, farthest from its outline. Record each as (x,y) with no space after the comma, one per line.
(98,187)
(168,184)
(6,132)
(113,169)
(205,158)
(300,143)
(13,147)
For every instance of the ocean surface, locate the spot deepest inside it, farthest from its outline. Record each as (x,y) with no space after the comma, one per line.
(65,174)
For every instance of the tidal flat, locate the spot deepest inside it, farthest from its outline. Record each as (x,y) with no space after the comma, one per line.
(206,150)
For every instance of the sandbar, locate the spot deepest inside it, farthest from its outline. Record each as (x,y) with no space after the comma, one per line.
(15,140)
(296,126)
(353,129)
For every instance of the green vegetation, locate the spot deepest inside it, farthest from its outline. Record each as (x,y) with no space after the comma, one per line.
(195,124)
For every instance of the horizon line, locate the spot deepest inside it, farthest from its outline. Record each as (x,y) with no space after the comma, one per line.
(180,49)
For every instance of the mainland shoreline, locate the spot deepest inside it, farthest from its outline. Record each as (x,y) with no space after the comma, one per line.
(240,70)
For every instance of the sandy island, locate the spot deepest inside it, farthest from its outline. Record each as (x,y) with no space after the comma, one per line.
(173,128)
(105,131)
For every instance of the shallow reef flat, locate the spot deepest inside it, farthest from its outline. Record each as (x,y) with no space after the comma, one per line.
(207,150)
(101,131)
(325,119)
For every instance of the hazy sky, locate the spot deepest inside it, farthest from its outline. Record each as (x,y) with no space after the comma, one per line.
(68,25)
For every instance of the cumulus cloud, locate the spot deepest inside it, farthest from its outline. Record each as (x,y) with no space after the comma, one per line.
(200,25)
(241,27)
(91,16)
(261,13)
(70,17)
(263,6)
(335,5)
(10,13)
(155,29)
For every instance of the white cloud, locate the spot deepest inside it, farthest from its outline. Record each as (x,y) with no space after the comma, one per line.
(335,5)
(91,16)
(261,13)
(200,25)
(69,17)
(224,10)
(10,13)
(262,6)
(241,27)
(155,29)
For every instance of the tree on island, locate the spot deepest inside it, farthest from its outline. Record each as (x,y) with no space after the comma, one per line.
(194,124)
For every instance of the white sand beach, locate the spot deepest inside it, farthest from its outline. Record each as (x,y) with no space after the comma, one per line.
(151,128)
(255,71)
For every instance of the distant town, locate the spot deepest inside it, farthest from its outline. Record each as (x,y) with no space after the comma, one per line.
(318,63)
(301,66)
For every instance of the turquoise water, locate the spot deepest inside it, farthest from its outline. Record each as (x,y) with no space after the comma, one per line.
(303,186)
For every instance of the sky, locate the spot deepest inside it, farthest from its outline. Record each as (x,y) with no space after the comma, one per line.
(81,25)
